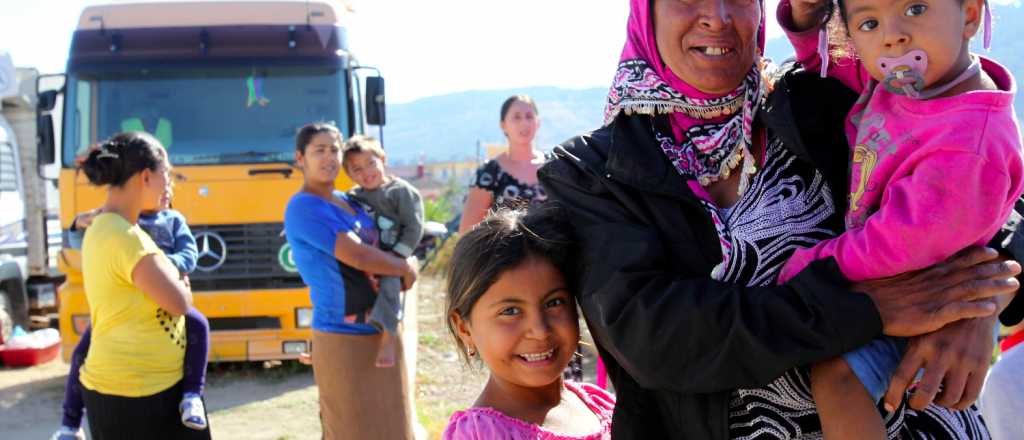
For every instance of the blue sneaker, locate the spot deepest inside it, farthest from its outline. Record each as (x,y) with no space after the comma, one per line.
(193,412)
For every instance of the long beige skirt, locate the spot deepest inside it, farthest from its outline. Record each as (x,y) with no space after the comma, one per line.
(357,399)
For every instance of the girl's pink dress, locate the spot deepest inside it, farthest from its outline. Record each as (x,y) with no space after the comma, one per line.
(489,424)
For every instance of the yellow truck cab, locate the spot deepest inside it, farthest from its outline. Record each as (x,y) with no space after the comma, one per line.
(224,86)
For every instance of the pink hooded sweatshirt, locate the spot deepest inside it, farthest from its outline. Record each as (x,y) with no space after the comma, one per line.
(927,177)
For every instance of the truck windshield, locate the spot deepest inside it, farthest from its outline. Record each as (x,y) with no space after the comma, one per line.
(205,115)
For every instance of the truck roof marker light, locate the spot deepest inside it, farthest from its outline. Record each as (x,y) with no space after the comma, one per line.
(115,42)
(204,41)
(99,18)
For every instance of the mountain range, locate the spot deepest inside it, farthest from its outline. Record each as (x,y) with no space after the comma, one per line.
(449,127)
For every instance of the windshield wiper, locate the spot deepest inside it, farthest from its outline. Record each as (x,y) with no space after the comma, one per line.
(287,172)
(224,157)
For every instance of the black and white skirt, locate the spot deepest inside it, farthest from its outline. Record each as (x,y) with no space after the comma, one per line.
(785,410)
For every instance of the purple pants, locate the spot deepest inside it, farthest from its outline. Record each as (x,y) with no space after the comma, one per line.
(197,335)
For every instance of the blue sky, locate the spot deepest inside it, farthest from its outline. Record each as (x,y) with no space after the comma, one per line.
(424,48)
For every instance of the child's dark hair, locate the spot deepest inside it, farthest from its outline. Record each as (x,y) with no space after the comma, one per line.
(117,159)
(507,105)
(505,239)
(361,144)
(840,45)
(308,131)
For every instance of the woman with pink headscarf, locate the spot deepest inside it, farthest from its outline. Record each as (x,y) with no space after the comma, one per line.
(712,167)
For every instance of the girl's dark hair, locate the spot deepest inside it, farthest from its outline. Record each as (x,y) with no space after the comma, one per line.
(308,131)
(117,159)
(505,106)
(502,241)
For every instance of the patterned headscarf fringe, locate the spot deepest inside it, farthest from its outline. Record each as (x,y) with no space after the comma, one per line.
(711,133)
(654,108)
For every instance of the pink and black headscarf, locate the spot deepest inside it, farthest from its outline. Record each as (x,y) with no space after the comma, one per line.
(710,134)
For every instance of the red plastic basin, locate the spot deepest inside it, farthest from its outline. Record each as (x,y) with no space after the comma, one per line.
(27,357)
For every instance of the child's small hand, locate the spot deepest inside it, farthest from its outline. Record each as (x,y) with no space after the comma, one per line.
(807,14)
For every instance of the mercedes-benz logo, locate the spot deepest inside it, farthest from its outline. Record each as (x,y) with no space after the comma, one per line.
(213,251)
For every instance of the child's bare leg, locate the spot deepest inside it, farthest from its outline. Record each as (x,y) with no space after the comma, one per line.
(844,405)
(384,315)
(386,350)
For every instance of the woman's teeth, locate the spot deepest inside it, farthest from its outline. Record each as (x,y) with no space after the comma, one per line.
(537,357)
(716,51)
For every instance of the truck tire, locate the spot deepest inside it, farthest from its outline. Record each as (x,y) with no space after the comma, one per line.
(6,321)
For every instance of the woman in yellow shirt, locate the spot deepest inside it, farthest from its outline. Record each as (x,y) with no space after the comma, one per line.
(132,373)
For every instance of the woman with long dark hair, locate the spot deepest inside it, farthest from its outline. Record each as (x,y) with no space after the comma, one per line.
(332,240)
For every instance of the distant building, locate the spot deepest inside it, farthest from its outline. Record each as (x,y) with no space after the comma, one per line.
(493,150)
(407,172)
(429,189)
(461,172)
(432,179)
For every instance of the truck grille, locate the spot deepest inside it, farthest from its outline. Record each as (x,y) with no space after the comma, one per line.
(241,257)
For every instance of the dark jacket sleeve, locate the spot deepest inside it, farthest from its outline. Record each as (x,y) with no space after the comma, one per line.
(1010,241)
(692,334)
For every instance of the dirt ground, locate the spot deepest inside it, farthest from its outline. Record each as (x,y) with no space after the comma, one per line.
(246,400)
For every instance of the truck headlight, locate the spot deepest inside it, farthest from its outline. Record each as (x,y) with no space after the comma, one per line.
(303,317)
(295,347)
(80,323)
(42,296)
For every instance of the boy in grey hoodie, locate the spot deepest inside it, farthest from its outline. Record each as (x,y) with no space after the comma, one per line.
(397,209)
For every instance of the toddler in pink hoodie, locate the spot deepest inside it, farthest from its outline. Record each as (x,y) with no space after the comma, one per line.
(936,163)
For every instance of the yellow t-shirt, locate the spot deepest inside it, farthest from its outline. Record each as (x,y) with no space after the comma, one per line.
(137,348)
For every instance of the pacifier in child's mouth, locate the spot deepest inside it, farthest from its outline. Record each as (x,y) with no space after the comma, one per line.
(904,75)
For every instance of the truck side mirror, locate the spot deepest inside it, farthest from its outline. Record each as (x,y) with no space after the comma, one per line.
(375,100)
(45,152)
(47,100)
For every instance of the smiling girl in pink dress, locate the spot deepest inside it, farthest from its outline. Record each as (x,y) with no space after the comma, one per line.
(510,304)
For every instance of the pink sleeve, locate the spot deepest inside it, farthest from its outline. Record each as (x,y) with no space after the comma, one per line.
(950,200)
(847,70)
(474,425)
(601,401)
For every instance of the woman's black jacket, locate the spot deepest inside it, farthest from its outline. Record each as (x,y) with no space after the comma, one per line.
(674,341)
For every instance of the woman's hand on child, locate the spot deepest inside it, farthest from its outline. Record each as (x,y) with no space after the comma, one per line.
(374,282)
(84,219)
(955,359)
(956,356)
(971,284)
(807,14)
